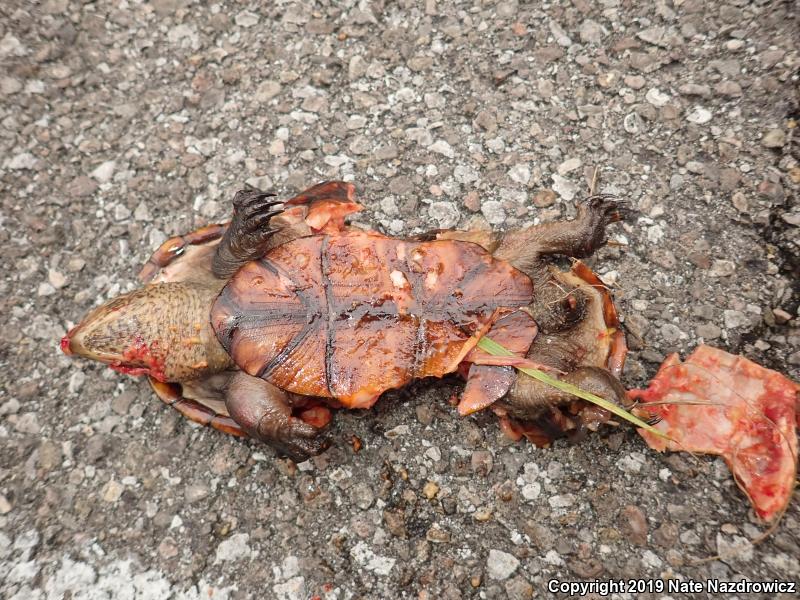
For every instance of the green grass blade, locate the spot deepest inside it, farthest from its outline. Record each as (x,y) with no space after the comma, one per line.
(489,346)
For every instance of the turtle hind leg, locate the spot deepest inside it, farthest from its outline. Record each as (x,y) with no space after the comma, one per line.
(546,408)
(248,233)
(578,238)
(263,411)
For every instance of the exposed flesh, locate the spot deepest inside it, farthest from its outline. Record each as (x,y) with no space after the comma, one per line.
(719,403)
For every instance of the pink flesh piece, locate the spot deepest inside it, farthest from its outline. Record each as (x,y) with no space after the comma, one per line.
(327,216)
(719,403)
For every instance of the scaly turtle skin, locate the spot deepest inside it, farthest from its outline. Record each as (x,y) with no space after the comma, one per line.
(257,326)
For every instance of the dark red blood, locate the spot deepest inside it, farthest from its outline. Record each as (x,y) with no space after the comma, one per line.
(127,370)
(463,368)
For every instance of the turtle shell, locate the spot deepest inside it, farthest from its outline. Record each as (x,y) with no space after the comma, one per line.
(351,315)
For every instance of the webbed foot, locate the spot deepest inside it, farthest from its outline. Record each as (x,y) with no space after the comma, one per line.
(552,412)
(579,238)
(264,413)
(297,440)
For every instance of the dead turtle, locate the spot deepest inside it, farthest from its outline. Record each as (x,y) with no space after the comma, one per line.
(257,326)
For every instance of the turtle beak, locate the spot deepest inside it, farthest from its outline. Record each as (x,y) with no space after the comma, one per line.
(73,344)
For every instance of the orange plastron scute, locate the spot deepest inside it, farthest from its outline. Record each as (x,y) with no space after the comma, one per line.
(352,315)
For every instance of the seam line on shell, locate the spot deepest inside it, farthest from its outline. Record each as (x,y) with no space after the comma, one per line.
(297,340)
(324,268)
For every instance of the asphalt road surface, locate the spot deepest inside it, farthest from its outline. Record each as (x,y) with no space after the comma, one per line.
(125,122)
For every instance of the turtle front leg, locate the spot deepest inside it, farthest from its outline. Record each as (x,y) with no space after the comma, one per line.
(249,232)
(264,412)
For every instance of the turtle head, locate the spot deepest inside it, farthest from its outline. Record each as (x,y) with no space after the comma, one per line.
(121,333)
(159,330)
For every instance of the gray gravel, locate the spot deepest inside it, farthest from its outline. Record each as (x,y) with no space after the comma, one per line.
(122,123)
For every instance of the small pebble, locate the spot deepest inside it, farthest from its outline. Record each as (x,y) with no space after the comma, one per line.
(699,115)
(494,212)
(739,201)
(781,316)
(591,32)
(520,173)
(168,548)
(56,279)
(430,489)
(569,165)
(45,289)
(234,548)
(482,462)
(437,535)
(694,89)
(246,19)
(544,198)
(656,97)
(564,187)
(501,565)
(635,82)
(112,491)
(10,407)
(774,138)
(735,319)
(734,549)
(195,492)
(636,525)
(28,423)
(104,171)
(708,331)
(632,123)
(76,381)
(722,268)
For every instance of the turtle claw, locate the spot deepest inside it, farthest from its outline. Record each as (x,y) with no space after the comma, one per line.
(249,206)
(249,195)
(654,420)
(595,213)
(299,440)
(609,207)
(249,232)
